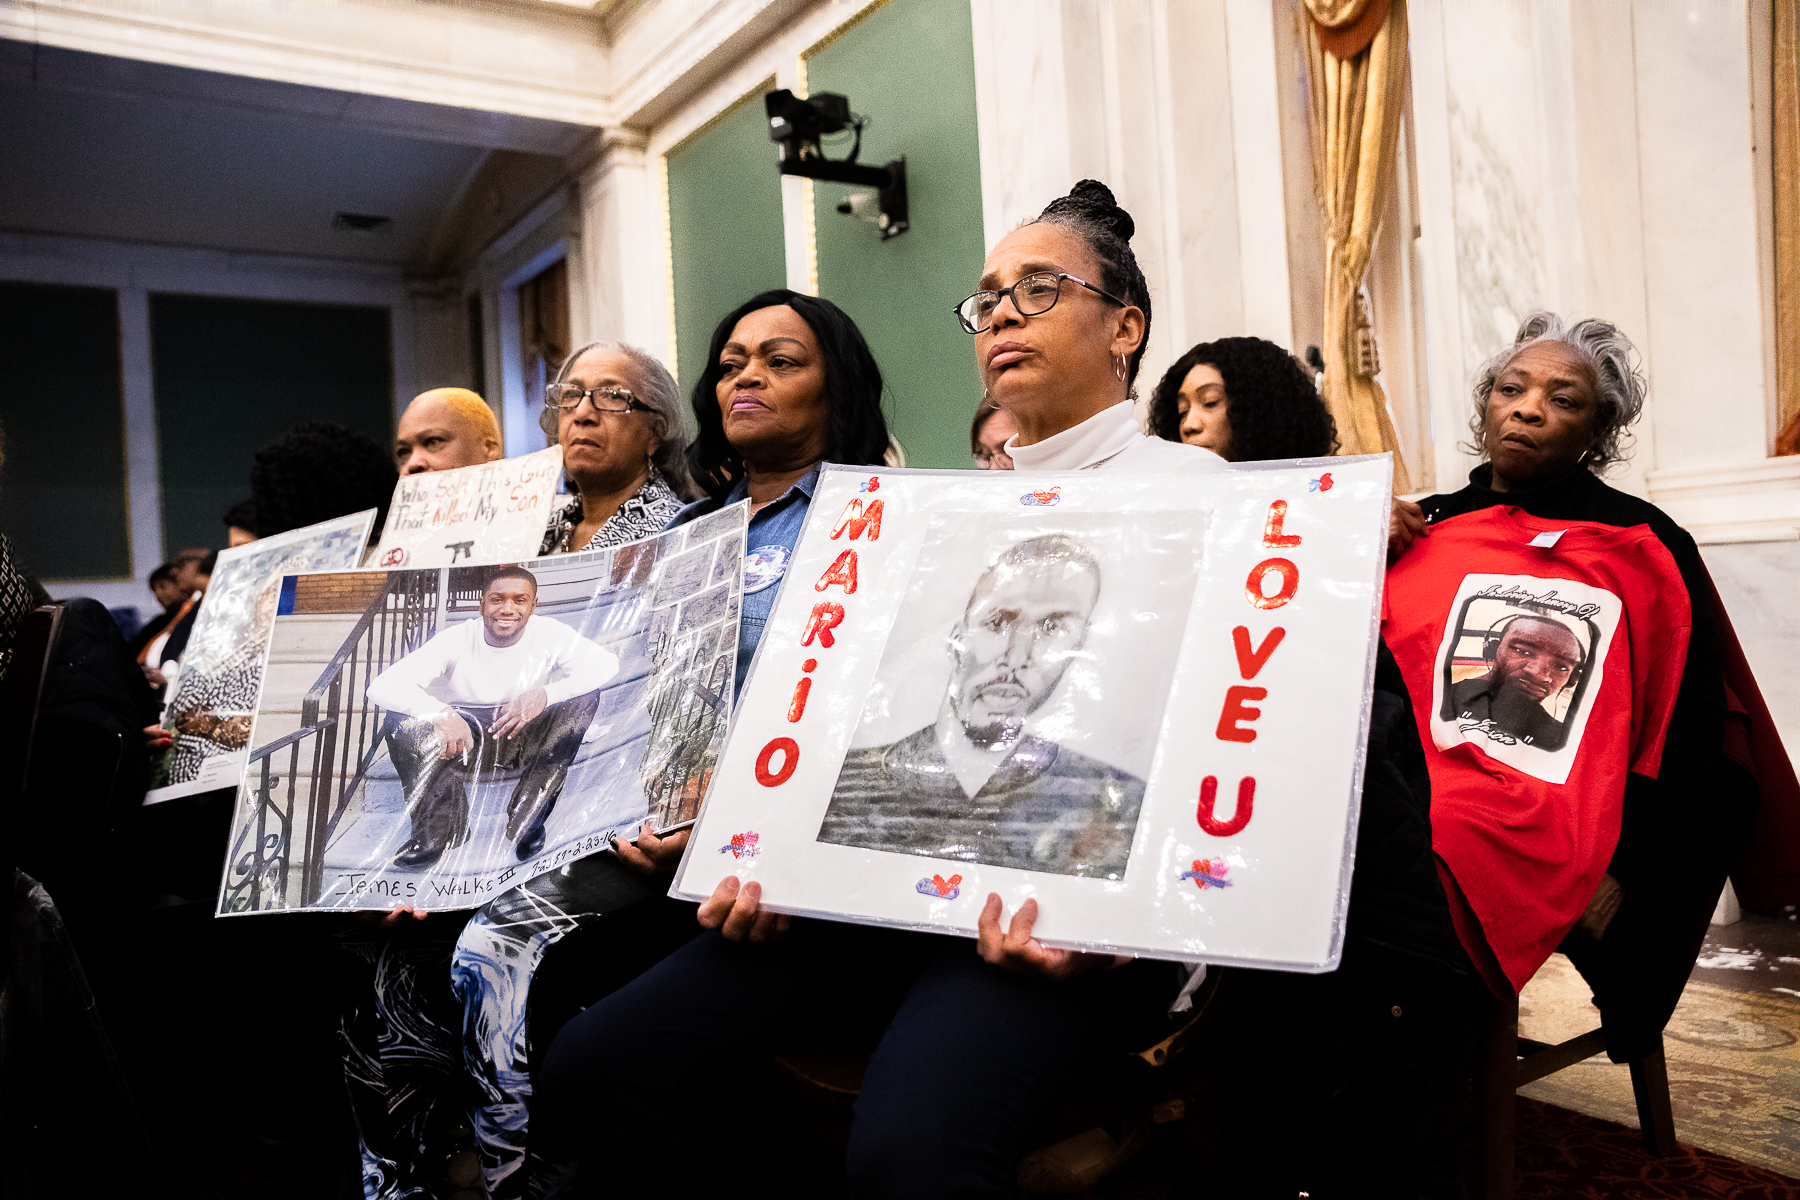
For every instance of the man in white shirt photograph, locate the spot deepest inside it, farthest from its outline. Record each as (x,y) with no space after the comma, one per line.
(511,691)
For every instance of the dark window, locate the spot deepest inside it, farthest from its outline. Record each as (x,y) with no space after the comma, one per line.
(62,406)
(233,375)
(477,346)
(544,328)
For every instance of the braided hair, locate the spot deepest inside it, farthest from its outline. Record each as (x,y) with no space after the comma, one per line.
(1274,408)
(318,471)
(1090,212)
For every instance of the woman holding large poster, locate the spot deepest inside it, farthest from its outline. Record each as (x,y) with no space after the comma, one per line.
(976,1041)
(790,381)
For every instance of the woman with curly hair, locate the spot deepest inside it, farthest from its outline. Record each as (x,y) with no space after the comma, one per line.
(1245,399)
(318,471)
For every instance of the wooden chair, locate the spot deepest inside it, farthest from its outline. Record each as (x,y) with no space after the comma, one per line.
(1507,1062)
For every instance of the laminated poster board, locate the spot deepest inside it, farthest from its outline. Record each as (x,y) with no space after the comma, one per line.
(483,514)
(438,736)
(1142,700)
(214,697)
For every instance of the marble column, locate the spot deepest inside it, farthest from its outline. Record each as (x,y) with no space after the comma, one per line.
(622,246)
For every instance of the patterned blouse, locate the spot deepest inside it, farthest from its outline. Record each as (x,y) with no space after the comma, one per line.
(648,510)
(15,602)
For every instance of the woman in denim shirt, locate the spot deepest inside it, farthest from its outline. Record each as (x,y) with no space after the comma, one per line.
(789,383)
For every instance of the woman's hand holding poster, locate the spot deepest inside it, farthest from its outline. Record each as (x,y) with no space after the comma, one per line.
(1142,701)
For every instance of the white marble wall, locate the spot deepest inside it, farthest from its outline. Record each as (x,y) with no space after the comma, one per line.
(1756,581)
(1601,158)
(1178,106)
(1604,158)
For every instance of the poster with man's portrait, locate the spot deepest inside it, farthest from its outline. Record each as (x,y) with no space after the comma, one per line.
(434,737)
(1139,700)
(1519,659)
(213,700)
(1014,716)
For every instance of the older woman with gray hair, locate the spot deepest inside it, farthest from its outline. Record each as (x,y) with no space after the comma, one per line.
(1553,413)
(615,410)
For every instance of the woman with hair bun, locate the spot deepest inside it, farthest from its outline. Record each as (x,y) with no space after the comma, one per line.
(975,1042)
(1246,400)
(1060,319)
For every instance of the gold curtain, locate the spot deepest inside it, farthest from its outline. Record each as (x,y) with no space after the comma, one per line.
(1356,68)
(1786,166)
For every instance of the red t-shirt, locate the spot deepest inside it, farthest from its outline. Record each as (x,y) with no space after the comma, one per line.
(1542,658)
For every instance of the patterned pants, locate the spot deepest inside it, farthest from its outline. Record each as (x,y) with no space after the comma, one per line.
(446,1032)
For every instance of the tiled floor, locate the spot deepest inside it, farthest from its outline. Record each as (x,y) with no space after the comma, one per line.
(1733,1046)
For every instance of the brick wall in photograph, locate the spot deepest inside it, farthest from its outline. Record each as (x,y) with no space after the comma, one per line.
(342,593)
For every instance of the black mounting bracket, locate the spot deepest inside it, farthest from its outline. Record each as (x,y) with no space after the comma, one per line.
(889,183)
(795,126)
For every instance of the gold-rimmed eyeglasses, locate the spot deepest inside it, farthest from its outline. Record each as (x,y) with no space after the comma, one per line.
(1033,296)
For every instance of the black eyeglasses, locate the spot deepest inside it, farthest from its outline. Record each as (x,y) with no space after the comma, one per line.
(570,395)
(1033,296)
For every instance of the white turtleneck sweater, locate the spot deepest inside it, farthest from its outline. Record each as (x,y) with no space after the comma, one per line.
(1110,441)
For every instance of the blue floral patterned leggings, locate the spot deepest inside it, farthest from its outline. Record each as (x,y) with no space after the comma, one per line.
(444,1032)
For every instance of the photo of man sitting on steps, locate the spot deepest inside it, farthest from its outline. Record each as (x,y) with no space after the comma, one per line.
(509,692)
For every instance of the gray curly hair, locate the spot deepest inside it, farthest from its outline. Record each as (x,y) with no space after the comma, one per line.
(656,388)
(1618,383)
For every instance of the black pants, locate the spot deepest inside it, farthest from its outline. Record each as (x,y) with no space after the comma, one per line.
(437,788)
(652,1088)
(1346,1084)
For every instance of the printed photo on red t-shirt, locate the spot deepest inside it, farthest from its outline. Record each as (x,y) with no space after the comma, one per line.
(1519,660)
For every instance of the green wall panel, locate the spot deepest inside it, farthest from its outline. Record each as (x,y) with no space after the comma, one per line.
(233,375)
(725,226)
(910,68)
(62,406)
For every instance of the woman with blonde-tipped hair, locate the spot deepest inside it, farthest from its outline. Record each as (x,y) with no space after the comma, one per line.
(445,428)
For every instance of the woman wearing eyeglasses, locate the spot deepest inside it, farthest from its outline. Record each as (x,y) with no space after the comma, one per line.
(789,382)
(433,1024)
(1060,324)
(975,1043)
(615,412)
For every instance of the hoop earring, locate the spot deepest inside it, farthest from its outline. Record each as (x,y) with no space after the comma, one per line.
(1119,368)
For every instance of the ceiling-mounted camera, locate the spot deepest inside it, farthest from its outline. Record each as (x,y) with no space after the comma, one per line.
(798,126)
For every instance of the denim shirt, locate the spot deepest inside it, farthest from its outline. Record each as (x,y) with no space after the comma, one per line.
(769,544)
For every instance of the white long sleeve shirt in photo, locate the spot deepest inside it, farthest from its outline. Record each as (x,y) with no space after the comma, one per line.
(457,666)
